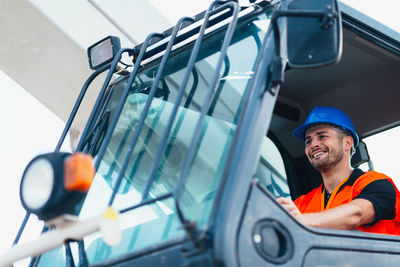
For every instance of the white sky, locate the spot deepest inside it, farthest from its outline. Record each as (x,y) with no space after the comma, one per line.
(28,128)
(385,162)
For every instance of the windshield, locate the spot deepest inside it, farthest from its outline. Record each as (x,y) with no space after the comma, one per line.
(158,222)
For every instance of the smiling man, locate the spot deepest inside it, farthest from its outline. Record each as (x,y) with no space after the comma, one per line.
(348,198)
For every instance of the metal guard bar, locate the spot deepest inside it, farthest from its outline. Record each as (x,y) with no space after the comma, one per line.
(78,103)
(167,131)
(147,202)
(94,112)
(205,107)
(190,154)
(124,96)
(188,34)
(22,227)
(64,133)
(256,89)
(146,109)
(97,105)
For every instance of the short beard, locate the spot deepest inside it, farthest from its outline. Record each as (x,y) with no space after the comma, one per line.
(328,163)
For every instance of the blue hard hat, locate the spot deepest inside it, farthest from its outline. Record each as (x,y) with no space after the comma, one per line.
(323,114)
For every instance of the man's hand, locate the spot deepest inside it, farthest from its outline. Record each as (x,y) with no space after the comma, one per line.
(346,217)
(290,207)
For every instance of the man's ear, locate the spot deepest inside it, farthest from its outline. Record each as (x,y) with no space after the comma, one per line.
(348,142)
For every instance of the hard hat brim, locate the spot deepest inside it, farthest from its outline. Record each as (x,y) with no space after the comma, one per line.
(300,131)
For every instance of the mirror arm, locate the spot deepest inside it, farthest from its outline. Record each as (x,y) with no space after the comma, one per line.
(277,66)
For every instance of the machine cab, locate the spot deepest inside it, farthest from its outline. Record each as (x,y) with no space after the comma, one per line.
(193,144)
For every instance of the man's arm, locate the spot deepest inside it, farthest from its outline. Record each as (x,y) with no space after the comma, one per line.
(345,217)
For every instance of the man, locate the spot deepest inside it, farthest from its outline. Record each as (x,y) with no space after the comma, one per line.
(348,198)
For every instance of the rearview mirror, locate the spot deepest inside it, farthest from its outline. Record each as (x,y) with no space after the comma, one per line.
(314,34)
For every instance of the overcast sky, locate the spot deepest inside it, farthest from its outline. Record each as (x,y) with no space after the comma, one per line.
(28,128)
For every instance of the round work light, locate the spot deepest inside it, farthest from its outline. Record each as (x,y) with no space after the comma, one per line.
(54,183)
(37,185)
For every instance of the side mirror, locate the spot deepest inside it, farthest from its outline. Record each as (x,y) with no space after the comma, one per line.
(314,33)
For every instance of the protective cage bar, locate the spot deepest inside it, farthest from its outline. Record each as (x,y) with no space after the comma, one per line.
(185,35)
(146,109)
(124,96)
(205,108)
(77,105)
(107,138)
(67,127)
(111,67)
(97,106)
(213,9)
(257,87)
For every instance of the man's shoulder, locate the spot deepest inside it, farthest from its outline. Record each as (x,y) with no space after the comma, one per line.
(371,176)
(360,178)
(375,174)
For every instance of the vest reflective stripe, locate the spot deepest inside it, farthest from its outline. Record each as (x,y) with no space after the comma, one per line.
(311,202)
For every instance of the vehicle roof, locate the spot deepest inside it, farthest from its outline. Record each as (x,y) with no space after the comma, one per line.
(349,11)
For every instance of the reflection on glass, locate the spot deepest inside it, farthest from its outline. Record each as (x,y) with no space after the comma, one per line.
(157,223)
(271,171)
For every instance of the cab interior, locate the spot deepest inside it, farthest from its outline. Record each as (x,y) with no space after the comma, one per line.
(364,84)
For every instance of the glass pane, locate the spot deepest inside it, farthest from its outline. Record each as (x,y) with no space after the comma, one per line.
(158,222)
(271,171)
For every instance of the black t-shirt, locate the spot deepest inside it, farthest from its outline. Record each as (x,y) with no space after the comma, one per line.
(382,195)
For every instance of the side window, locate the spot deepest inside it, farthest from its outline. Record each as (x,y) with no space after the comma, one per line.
(382,148)
(271,171)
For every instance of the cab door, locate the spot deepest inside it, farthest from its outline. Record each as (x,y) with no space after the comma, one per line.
(252,229)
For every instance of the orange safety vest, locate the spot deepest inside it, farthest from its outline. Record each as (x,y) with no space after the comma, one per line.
(344,193)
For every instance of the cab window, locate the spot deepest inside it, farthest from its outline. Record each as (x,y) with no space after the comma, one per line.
(381,149)
(271,173)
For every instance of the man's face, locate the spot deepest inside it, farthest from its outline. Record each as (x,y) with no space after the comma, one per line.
(324,147)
